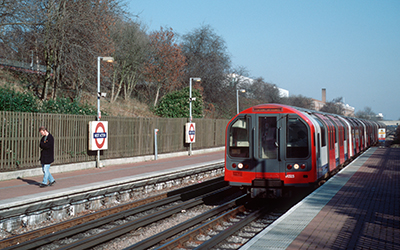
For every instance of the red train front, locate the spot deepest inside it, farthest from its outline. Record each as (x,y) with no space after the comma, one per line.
(271,148)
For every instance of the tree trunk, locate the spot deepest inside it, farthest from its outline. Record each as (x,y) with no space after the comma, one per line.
(157,94)
(47,79)
(130,85)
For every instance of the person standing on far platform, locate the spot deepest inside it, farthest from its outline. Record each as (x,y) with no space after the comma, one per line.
(46,156)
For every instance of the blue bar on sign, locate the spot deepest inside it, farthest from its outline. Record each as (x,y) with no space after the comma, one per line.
(100,135)
(191,132)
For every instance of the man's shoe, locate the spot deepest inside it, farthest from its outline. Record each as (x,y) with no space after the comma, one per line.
(52,183)
(42,185)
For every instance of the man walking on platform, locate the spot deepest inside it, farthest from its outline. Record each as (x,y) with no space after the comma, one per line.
(46,156)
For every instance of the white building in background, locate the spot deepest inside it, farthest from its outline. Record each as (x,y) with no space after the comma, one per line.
(241,80)
(244,80)
(283,92)
(348,110)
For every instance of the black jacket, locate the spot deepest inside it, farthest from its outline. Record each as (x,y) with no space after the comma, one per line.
(47,152)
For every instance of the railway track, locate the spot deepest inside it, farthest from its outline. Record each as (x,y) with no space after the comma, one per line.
(19,216)
(228,226)
(37,238)
(215,227)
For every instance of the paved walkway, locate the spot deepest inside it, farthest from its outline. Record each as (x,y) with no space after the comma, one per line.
(12,189)
(359,208)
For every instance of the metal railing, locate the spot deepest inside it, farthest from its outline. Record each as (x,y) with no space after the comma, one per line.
(127,137)
(23,65)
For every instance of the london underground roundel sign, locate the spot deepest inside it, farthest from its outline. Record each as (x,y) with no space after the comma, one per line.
(98,139)
(190,132)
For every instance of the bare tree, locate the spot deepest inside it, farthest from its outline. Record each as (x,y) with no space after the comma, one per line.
(75,33)
(66,37)
(366,113)
(131,45)
(166,62)
(335,106)
(207,57)
(299,101)
(18,13)
(19,27)
(264,92)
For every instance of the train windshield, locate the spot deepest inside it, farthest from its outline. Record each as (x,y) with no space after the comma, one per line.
(239,139)
(268,144)
(297,139)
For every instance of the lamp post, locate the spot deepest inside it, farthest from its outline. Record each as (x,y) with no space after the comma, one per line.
(237,98)
(107,59)
(196,79)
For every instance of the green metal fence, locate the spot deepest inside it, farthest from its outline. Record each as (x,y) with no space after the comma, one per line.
(127,137)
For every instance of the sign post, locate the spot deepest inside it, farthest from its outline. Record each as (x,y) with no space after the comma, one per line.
(98,137)
(190,141)
(382,136)
(155,144)
(190,133)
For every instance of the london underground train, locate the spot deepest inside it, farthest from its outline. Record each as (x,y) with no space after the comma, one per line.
(273,148)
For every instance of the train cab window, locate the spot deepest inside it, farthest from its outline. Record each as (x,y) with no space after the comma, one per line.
(239,139)
(267,141)
(297,145)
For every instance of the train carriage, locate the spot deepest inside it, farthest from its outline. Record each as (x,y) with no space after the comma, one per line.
(272,148)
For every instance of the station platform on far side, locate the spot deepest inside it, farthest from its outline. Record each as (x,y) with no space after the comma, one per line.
(358,208)
(26,188)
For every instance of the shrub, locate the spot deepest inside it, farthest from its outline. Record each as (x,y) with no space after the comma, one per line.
(65,106)
(176,104)
(10,100)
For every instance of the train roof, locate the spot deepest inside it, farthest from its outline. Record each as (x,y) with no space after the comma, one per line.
(282,108)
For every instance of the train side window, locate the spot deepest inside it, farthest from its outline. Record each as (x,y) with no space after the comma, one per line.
(267,141)
(297,139)
(239,139)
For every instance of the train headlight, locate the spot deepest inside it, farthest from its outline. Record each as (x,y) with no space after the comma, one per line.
(289,166)
(240,165)
(233,165)
(303,166)
(296,166)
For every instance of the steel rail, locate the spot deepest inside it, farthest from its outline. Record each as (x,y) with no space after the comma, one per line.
(135,224)
(156,239)
(202,229)
(189,236)
(81,224)
(230,231)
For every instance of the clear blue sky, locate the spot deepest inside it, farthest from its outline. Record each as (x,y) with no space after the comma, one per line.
(349,47)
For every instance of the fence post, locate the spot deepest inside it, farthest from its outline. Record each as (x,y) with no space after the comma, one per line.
(155,143)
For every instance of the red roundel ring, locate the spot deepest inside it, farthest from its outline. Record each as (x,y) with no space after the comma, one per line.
(191,132)
(100,145)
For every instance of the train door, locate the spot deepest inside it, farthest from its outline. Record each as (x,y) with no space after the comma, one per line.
(347,138)
(322,138)
(330,141)
(339,140)
(352,135)
(267,151)
(358,136)
(363,135)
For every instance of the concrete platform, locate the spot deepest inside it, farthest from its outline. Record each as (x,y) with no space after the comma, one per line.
(359,208)
(25,189)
